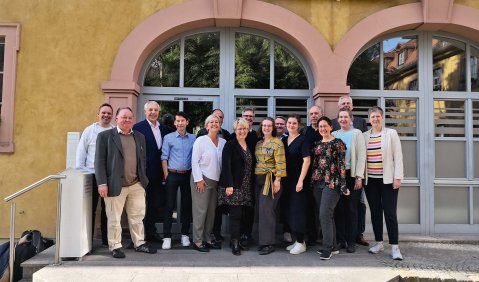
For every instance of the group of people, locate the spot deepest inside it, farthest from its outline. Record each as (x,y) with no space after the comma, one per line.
(313,176)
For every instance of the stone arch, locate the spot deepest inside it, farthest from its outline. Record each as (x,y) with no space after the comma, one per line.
(123,87)
(440,15)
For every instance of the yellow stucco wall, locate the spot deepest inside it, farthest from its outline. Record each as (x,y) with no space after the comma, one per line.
(67,50)
(334,18)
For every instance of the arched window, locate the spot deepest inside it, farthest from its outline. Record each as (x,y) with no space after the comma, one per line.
(427,84)
(229,69)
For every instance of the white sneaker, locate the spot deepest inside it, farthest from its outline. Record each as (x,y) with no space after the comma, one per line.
(166,244)
(395,252)
(299,248)
(378,247)
(185,241)
(287,237)
(290,247)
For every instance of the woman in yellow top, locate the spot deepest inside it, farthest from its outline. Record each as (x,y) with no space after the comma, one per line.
(270,168)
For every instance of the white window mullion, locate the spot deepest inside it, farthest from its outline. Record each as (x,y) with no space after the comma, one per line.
(271,64)
(182,62)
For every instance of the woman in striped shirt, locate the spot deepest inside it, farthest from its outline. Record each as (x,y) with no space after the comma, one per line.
(384,172)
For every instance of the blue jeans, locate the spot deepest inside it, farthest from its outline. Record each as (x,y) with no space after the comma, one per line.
(327,199)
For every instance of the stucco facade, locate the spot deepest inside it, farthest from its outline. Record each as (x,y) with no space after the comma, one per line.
(73,55)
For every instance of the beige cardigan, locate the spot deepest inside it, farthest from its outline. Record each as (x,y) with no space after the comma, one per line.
(392,155)
(358,153)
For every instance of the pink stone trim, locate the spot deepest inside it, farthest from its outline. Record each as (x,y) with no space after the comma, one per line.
(457,19)
(329,68)
(11,33)
(196,14)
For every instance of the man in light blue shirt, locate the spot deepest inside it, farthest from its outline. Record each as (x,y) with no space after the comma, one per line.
(85,160)
(176,163)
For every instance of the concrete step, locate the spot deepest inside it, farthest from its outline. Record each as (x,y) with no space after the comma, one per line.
(47,257)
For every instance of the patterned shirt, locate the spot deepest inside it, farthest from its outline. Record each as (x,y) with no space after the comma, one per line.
(329,164)
(375,156)
(270,157)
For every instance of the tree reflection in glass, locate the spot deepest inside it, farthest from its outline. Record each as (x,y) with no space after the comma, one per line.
(252,61)
(164,69)
(288,72)
(202,60)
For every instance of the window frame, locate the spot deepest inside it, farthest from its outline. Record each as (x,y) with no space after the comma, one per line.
(10,32)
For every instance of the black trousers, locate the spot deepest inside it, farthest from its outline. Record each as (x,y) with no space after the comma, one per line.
(174,181)
(346,213)
(382,198)
(103,220)
(236,213)
(153,195)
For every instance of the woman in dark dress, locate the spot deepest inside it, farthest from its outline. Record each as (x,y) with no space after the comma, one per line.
(297,164)
(236,179)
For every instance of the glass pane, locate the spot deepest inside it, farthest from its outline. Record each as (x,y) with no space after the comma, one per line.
(251,61)
(449,118)
(168,107)
(260,106)
(474,69)
(364,72)
(400,63)
(288,71)
(451,205)
(476,205)
(2,51)
(164,69)
(202,60)
(450,159)
(476,159)
(410,159)
(475,119)
(401,115)
(198,112)
(408,205)
(449,66)
(285,107)
(361,107)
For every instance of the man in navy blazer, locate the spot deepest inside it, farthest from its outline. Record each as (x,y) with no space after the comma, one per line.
(155,192)
(121,177)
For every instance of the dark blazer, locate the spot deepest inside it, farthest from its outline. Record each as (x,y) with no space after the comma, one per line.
(109,162)
(233,165)
(251,140)
(154,170)
(358,123)
(224,133)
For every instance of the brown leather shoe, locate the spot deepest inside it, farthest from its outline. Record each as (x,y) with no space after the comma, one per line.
(360,240)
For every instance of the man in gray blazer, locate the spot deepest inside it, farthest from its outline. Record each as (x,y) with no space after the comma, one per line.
(120,171)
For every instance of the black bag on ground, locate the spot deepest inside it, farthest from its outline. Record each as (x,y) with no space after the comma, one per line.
(30,244)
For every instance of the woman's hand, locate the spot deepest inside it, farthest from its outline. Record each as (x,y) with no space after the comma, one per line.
(229,191)
(200,186)
(396,183)
(276,185)
(358,183)
(347,192)
(299,186)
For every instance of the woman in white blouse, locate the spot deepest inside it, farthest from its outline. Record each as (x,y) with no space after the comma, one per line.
(206,168)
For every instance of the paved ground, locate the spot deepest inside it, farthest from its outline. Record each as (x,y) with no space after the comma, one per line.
(449,258)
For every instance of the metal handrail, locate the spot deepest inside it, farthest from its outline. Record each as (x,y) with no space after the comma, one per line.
(13,212)
(34,185)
